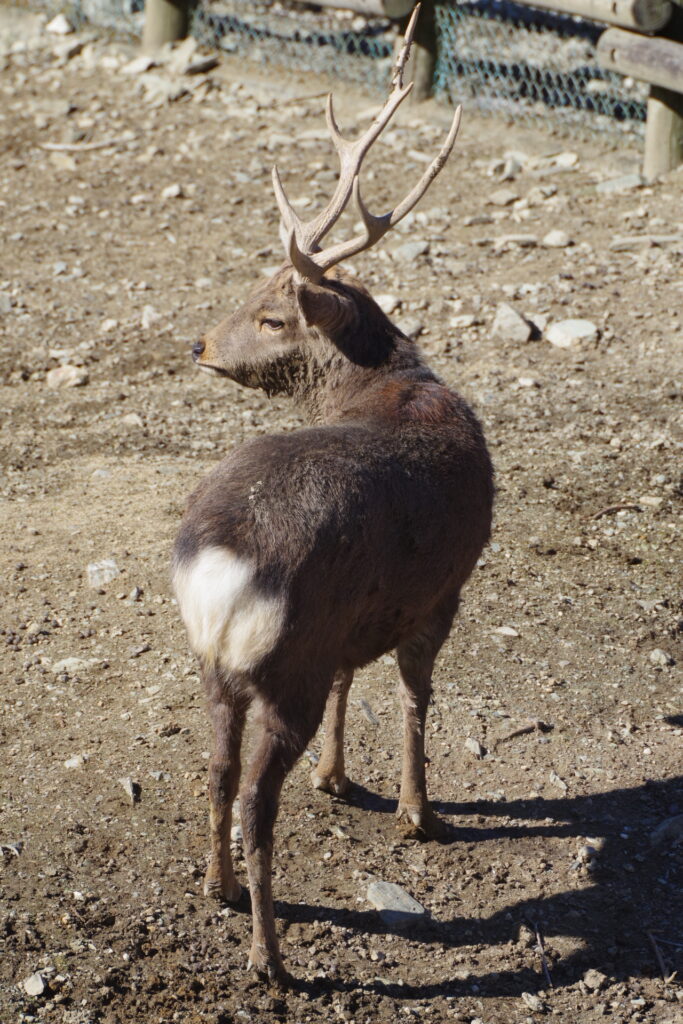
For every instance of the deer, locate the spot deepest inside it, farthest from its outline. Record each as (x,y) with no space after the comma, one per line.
(304,556)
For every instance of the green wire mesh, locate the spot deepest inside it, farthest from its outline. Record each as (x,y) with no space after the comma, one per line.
(496,56)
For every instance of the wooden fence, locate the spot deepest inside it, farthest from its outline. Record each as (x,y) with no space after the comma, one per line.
(645,42)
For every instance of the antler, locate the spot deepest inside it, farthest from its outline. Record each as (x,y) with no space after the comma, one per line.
(303,239)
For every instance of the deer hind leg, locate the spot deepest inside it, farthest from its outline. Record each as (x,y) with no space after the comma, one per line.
(227,712)
(329,774)
(416,656)
(282,741)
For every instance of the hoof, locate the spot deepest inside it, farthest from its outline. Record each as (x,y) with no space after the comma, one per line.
(337,785)
(270,970)
(423,819)
(225,892)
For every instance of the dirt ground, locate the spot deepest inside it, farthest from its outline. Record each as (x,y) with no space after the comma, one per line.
(558,891)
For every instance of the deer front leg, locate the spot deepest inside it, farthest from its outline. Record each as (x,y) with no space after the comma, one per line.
(227,716)
(329,774)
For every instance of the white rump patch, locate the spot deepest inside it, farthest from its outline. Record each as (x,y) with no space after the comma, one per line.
(228,620)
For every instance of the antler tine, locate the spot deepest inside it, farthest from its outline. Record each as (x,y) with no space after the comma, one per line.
(290,218)
(404,52)
(377,226)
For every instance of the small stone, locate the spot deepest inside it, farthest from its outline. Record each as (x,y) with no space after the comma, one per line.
(509,325)
(557,782)
(594,980)
(387,303)
(506,242)
(463,321)
(138,65)
(34,985)
(174,191)
(396,907)
(650,500)
(161,776)
(131,788)
(556,240)
(534,1002)
(669,829)
(59,268)
(76,762)
(368,712)
(73,665)
(66,377)
(5,303)
(475,747)
(149,317)
(131,419)
(566,333)
(506,631)
(63,161)
(660,657)
(412,327)
(59,26)
(108,325)
(566,160)
(503,197)
(100,573)
(410,251)
(622,183)
(476,219)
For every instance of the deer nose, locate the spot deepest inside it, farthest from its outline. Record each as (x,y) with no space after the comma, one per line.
(197,349)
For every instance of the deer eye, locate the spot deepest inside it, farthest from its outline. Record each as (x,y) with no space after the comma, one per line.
(272,325)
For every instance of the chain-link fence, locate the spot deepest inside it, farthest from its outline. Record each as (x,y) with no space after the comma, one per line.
(495,55)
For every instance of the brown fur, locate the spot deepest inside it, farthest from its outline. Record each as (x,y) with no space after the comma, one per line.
(366,524)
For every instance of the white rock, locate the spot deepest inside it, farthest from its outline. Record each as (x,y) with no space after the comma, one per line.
(506,242)
(506,631)
(66,377)
(73,665)
(5,302)
(59,26)
(138,66)
(76,762)
(660,657)
(131,788)
(534,1002)
(566,160)
(388,303)
(566,333)
(510,325)
(102,572)
(174,191)
(474,747)
(503,197)
(557,240)
(131,419)
(149,317)
(409,251)
(396,907)
(108,325)
(623,183)
(463,320)
(34,985)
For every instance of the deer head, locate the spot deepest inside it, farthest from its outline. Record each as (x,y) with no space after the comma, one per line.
(310,311)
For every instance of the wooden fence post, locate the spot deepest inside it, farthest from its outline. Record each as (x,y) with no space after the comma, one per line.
(422,61)
(166,21)
(663,132)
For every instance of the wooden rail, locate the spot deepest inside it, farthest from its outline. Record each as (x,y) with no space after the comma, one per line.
(641,15)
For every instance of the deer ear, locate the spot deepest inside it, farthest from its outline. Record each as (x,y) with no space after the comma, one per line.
(324,308)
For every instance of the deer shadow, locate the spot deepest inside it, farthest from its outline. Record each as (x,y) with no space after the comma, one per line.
(628,896)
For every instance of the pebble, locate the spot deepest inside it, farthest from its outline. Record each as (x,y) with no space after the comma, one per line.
(412,327)
(506,631)
(174,191)
(59,26)
(149,317)
(34,985)
(396,907)
(66,377)
(131,419)
(388,303)
(99,573)
(108,325)
(594,980)
(557,240)
(138,65)
(76,762)
(59,268)
(557,782)
(669,829)
(506,242)
(73,665)
(660,657)
(565,333)
(509,325)
(503,197)
(475,747)
(463,320)
(534,1003)
(409,251)
(131,788)
(622,183)
(368,712)
(5,302)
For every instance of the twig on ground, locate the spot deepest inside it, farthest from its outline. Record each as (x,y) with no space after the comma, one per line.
(80,147)
(544,961)
(622,507)
(534,726)
(660,959)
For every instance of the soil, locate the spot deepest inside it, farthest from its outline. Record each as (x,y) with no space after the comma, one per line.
(553,893)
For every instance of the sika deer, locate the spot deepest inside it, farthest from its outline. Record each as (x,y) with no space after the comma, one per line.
(304,556)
